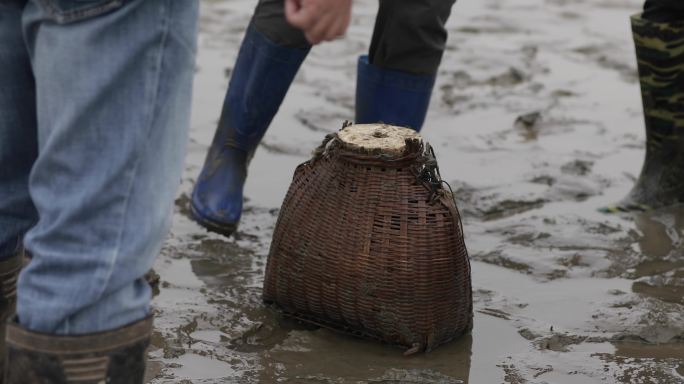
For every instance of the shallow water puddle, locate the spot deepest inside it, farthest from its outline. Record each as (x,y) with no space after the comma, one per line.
(536,120)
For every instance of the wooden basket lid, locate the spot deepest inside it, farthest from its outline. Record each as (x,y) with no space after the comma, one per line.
(388,140)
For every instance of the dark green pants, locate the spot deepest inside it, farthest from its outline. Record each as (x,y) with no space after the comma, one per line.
(664,11)
(409,35)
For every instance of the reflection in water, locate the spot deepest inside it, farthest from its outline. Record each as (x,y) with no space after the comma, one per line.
(287,350)
(662,231)
(547,267)
(661,271)
(631,354)
(323,354)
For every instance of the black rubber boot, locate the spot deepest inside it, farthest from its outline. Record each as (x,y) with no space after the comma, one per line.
(660,54)
(9,271)
(115,357)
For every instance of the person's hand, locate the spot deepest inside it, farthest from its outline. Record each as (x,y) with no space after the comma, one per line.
(321,20)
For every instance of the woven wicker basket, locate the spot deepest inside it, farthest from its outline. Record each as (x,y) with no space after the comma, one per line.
(369,242)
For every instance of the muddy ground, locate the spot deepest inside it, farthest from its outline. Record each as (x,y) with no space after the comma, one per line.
(537,123)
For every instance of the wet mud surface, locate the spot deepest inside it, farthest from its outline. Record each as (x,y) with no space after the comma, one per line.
(536,121)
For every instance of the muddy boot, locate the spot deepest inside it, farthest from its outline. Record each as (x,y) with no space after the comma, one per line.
(261,77)
(9,272)
(660,54)
(391,97)
(115,357)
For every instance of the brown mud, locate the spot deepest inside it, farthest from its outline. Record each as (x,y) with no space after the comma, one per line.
(536,121)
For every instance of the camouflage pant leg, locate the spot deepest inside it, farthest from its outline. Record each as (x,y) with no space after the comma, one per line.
(664,10)
(660,54)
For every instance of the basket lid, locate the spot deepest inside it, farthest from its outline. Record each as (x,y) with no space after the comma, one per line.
(388,140)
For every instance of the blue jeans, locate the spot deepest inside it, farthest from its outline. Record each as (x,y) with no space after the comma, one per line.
(94,112)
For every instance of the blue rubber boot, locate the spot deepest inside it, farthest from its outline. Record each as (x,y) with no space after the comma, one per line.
(260,80)
(391,97)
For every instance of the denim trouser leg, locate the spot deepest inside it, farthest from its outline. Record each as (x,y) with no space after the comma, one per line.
(113,87)
(18,146)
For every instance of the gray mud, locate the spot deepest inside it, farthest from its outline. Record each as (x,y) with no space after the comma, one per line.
(536,120)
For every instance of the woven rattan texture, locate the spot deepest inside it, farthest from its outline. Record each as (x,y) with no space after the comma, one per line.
(360,248)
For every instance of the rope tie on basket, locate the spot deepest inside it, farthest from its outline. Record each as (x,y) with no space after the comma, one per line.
(427,173)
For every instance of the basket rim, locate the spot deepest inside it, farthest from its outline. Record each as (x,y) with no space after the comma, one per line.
(414,149)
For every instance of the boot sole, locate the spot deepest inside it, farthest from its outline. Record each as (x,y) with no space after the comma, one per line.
(225,229)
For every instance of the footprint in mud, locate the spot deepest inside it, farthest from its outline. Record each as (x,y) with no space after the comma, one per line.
(488,204)
(657,265)
(279,148)
(456,85)
(574,189)
(270,330)
(610,57)
(498,258)
(577,167)
(487,25)
(661,233)
(568,15)
(640,318)
(667,287)
(397,376)
(509,207)
(561,342)
(529,125)
(321,121)
(574,182)
(462,80)
(551,247)
(495,313)
(228,318)
(533,125)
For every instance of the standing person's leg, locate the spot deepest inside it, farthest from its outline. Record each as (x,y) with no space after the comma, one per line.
(272,52)
(113,88)
(395,80)
(663,11)
(18,151)
(659,41)
(18,143)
